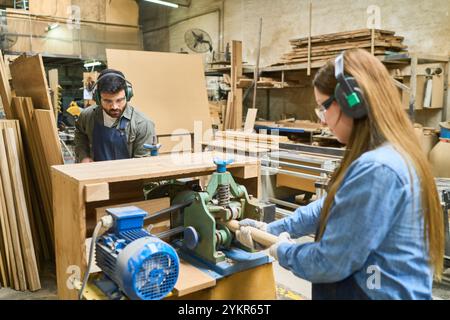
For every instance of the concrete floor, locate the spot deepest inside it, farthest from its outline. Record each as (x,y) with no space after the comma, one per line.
(48,291)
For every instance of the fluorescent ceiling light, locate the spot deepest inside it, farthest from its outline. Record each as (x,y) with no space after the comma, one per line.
(52,26)
(164,3)
(92,64)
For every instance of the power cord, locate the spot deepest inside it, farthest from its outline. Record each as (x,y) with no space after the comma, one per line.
(106,222)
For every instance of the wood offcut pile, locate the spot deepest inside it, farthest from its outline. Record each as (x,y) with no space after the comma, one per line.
(29,146)
(327,46)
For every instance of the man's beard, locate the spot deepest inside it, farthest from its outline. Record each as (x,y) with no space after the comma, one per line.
(114,114)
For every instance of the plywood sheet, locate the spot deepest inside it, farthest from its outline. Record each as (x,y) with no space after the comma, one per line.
(54,8)
(169,88)
(28,80)
(122,12)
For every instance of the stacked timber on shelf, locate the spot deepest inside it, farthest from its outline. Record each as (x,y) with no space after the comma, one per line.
(18,228)
(304,125)
(33,108)
(327,46)
(243,142)
(217,112)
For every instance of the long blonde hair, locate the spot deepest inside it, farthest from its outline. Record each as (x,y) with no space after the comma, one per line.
(386,122)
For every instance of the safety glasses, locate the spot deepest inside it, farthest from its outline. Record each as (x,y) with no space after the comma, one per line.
(322,108)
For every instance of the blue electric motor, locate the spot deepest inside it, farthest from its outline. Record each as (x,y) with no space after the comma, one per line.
(141,265)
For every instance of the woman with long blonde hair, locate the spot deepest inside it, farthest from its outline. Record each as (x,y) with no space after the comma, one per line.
(379,230)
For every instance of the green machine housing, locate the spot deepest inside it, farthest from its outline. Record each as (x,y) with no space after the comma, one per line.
(223,200)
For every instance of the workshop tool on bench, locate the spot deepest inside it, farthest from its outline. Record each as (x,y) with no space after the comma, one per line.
(206,236)
(135,263)
(153,147)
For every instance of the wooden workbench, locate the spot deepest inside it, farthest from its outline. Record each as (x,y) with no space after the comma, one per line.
(244,285)
(80,188)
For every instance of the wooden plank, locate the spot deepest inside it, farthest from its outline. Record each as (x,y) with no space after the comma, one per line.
(23,222)
(70,234)
(7,241)
(29,80)
(166,73)
(12,220)
(46,126)
(23,108)
(32,204)
(3,265)
(39,163)
(191,279)
(96,192)
(190,164)
(308,70)
(341,35)
(246,172)
(230,145)
(236,74)
(53,83)
(5,89)
(254,284)
(228,111)
(250,120)
(341,46)
(257,137)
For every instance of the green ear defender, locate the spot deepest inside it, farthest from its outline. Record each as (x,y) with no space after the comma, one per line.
(128,91)
(347,92)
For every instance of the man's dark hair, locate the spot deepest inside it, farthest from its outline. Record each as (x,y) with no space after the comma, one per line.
(111,81)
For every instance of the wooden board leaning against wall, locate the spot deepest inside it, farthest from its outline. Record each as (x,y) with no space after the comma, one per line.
(40,139)
(155,76)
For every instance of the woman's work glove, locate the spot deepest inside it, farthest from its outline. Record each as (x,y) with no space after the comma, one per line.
(284,237)
(244,234)
(253,223)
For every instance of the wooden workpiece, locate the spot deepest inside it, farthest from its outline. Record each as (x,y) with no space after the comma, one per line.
(156,76)
(125,178)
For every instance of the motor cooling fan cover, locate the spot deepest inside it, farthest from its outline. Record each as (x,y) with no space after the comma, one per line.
(148,269)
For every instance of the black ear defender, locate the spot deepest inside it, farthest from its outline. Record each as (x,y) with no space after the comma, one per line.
(128,91)
(347,92)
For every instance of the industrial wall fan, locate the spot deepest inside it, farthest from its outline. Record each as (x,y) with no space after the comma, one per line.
(198,40)
(7,40)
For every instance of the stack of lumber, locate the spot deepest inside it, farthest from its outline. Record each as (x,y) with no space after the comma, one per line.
(324,47)
(33,108)
(305,125)
(238,141)
(253,137)
(18,262)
